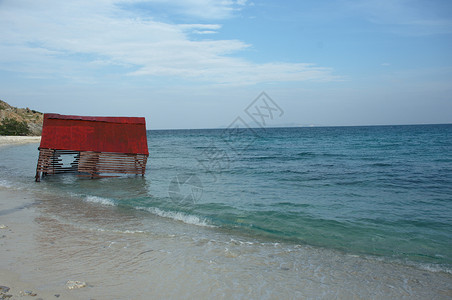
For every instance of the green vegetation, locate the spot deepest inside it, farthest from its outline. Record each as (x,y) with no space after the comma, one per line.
(13,127)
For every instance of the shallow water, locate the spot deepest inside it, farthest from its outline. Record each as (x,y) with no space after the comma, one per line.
(124,253)
(310,212)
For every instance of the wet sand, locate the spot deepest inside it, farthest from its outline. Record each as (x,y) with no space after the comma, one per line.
(17,234)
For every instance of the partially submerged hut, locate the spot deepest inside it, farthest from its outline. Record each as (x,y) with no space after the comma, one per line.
(90,146)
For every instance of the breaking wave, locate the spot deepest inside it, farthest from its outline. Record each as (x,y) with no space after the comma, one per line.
(178,216)
(100,200)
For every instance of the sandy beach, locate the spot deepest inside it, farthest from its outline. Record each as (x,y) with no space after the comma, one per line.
(17,238)
(14,140)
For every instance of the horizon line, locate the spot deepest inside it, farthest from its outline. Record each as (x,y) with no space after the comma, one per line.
(301,126)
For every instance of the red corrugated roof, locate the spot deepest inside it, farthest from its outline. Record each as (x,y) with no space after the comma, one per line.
(121,120)
(102,134)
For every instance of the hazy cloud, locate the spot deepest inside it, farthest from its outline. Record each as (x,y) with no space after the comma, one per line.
(411,17)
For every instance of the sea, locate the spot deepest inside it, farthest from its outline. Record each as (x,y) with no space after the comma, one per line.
(299,212)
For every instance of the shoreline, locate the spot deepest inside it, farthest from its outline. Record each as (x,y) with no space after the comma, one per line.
(16,243)
(7,140)
(12,285)
(44,247)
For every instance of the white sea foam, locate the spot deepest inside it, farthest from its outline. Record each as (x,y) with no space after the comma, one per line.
(11,185)
(179,216)
(5,184)
(127,231)
(100,200)
(432,267)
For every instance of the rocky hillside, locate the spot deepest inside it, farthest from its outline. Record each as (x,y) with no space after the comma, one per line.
(31,117)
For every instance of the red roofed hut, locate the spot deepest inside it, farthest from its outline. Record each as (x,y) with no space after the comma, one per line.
(93,145)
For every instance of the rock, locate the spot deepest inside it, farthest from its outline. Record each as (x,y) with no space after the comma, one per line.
(32,118)
(57,295)
(74,284)
(3,226)
(28,293)
(4,289)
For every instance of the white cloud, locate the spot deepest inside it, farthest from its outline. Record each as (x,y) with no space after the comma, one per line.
(206,9)
(200,28)
(67,38)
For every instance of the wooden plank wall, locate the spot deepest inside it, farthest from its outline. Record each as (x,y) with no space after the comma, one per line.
(89,163)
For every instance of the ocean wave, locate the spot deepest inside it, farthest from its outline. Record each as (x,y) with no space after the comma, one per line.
(100,200)
(306,154)
(5,184)
(430,267)
(127,231)
(178,216)
(434,268)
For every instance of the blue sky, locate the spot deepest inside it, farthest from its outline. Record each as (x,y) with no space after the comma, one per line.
(200,63)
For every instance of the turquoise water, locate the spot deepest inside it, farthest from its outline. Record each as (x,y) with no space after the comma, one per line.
(379,191)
